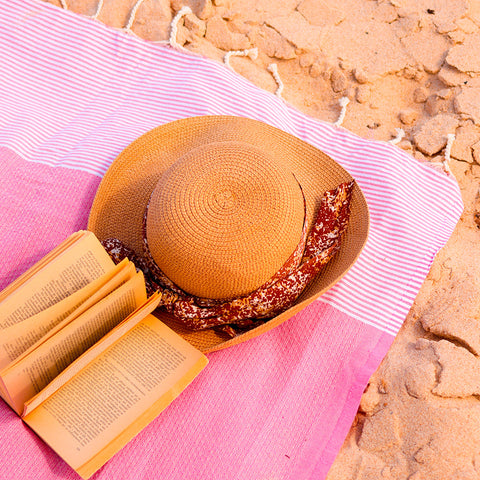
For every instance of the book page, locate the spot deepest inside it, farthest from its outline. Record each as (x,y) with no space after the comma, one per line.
(17,339)
(27,376)
(4,394)
(116,395)
(81,263)
(123,327)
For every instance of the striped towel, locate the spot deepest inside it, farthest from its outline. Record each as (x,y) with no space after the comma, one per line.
(73,94)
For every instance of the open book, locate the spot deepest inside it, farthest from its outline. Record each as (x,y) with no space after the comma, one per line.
(82,360)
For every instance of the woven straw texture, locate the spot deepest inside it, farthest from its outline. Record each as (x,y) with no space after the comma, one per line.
(127,186)
(223,219)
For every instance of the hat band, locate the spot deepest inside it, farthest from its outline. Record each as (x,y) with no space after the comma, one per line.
(276,295)
(288,267)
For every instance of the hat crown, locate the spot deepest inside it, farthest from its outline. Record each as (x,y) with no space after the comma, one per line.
(223,219)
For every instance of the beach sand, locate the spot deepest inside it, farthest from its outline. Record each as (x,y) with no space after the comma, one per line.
(403,64)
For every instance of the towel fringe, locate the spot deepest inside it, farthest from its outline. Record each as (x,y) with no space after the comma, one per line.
(448,150)
(185,10)
(251,52)
(172,41)
(99,8)
(131,18)
(272,68)
(400,136)
(344,101)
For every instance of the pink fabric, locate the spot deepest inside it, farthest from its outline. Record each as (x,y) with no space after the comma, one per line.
(40,207)
(73,94)
(275,407)
(79,92)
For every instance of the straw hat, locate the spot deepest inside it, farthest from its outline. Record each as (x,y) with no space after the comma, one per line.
(227,199)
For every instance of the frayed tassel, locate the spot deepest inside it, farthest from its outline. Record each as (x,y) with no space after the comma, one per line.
(172,41)
(251,53)
(448,150)
(131,18)
(99,9)
(185,10)
(272,68)
(344,101)
(400,136)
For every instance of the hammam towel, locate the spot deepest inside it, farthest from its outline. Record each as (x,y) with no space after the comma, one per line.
(73,94)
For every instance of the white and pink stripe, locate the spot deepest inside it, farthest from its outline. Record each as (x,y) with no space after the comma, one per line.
(73,94)
(76,99)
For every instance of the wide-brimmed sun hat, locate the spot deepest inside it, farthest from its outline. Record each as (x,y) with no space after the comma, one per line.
(227,198)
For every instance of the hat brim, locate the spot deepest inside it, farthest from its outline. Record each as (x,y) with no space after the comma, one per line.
(124,191)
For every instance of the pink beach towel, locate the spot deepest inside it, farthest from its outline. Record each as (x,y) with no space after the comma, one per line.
(73,94)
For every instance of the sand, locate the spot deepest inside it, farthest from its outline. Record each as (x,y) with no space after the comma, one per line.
(409,64)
